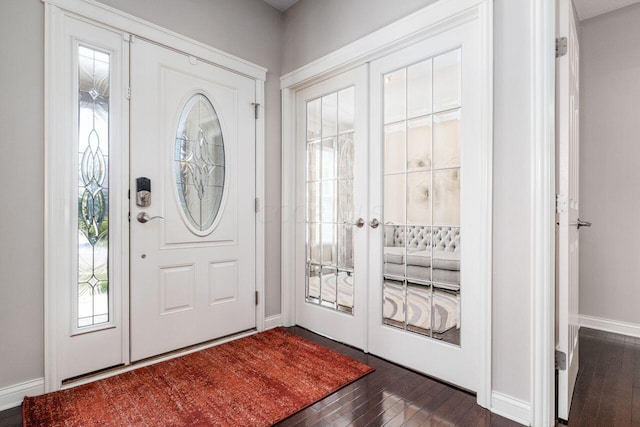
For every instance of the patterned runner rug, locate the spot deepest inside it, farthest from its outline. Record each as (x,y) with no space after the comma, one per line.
(254,381)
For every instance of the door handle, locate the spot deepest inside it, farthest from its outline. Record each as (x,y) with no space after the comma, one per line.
(359,223)
(582,223)
(374,223)
(143,217)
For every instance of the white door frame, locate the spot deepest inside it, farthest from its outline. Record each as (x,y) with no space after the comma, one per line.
(431,20)
(58,233)
(542,227)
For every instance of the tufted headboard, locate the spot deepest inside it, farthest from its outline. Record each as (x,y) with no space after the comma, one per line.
(445,239)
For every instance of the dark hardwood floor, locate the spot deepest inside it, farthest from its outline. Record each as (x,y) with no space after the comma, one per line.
(391,396)
(11,417)
(607,392)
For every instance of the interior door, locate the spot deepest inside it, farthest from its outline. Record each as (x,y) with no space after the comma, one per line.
(426,177)
(331,242)
(192,201)
(568,149)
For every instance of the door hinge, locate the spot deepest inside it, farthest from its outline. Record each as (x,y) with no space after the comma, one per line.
(129,38)
(257,205)
(129,217)
(561,203)
(128,93)
(256,107)
(256,297)
(561,46)
(561,360)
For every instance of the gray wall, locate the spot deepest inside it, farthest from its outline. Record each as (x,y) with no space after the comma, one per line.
(316,28)
(309,37)
(22,191)
(610,165)
(250,29)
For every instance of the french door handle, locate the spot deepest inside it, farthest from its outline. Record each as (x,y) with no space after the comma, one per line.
(359,223)
(374,223)
(582,223)
(143,217)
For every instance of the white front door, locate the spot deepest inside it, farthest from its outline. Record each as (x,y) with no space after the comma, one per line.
(192,201)
(429,185)
(331,244)
(568,151)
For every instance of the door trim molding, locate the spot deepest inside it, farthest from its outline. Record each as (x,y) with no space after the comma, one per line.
(543,28)
(431,20)
(56,261)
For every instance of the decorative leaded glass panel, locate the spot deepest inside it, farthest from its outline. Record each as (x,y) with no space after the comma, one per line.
(93,187)
(199,163)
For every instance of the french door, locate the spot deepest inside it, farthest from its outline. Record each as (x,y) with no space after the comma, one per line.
(428,178)
(192,205)
(331,254)
(420,186)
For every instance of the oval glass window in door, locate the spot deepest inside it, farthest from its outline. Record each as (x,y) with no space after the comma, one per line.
(199,163)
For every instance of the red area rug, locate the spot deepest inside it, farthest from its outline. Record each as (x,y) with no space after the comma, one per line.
(254,381)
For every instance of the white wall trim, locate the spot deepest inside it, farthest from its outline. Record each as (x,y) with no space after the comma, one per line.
(260,219)
(509,407)
(289,208)
(429,21)
(486,274)
(272,322)
(610,325)
(542,225)
(12,396)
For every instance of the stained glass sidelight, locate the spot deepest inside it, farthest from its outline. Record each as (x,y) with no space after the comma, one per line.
(199,163)
(93,187)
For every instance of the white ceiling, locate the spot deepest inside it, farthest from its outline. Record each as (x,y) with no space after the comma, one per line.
(282,5)
(589,8)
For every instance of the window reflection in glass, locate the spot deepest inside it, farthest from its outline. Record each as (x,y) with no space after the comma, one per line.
(330,200)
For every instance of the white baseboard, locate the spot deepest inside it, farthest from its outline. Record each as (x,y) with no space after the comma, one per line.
(608,325)
(12,396)
(272,322)
(509,407)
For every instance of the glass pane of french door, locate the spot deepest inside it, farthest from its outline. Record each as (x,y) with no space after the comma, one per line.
(329,200)
(421,118)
